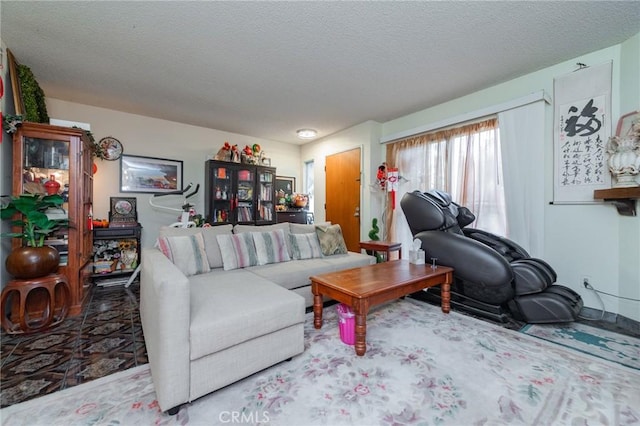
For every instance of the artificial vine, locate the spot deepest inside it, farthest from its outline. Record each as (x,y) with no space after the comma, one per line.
(35,109)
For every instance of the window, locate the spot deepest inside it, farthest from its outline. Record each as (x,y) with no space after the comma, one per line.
(463,161)
(308,182)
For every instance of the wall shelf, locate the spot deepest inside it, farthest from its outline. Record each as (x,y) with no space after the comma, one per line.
(623,198)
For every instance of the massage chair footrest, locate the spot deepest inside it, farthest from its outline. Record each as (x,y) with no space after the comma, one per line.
(556,304)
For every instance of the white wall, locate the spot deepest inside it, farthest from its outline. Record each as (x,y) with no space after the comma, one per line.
(365,136)
(164,139)
(580,240)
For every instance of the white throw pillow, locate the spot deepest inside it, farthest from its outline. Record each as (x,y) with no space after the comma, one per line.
(238,251)
(305,246)
(186,252)
(211,245)
(271,247)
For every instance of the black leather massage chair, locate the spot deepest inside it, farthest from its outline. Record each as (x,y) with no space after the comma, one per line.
(494,277)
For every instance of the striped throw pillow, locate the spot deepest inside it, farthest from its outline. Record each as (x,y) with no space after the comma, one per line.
(238,251)
(271,247)
(186,252)
(305,246)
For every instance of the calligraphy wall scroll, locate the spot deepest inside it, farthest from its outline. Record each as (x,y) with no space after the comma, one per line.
(582,126)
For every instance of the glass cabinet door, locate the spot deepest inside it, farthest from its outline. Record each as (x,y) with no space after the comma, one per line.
(244,195)
(266,209)
(46,167)
(221,188)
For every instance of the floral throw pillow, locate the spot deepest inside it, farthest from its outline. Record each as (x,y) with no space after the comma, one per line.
(331,240)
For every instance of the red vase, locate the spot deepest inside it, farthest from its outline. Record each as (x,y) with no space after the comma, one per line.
(52,186)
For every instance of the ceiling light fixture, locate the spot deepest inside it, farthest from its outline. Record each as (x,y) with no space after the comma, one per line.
(307,133)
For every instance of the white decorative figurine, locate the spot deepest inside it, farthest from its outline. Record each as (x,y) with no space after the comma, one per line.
(624,156)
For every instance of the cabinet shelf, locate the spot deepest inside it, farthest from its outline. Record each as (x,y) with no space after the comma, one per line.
(624,199)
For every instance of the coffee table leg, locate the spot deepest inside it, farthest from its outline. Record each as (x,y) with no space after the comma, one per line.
(445,293)
(360,309)
(317,310)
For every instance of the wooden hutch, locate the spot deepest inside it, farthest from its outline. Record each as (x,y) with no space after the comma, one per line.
(40,151)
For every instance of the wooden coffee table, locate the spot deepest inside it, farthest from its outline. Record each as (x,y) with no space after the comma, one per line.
(362,288)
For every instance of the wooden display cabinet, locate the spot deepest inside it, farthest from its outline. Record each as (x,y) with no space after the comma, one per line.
(40,151)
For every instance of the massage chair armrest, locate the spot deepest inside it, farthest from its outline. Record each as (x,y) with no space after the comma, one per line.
(473,261)
(502,245)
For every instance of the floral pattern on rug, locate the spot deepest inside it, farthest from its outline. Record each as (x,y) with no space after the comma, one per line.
(421,367)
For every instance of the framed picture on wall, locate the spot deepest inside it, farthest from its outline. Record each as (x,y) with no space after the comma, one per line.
(286,184)
(149,174)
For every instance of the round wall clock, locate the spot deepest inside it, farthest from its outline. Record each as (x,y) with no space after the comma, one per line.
(111,148)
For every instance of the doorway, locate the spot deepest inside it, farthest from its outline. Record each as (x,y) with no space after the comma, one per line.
(343,195)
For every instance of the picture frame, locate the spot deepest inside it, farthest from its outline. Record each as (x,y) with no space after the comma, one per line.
(123,211)
(286,183)
(150,174)
(15,83)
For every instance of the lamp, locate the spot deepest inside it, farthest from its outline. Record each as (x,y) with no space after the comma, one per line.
(307,133)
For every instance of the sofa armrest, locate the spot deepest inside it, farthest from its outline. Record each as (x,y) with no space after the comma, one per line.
(165,312)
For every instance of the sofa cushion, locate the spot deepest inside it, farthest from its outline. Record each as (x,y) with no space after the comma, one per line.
(293,274)
(331,240)
(238,251)
(300,228)
(349,260)
(211,245)
(305,246)
(186,252)
(239,307)
(271,247)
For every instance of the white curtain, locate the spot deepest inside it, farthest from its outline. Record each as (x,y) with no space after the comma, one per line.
(463,161)
(522,141)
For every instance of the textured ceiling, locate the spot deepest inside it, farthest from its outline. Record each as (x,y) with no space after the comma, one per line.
(266,69)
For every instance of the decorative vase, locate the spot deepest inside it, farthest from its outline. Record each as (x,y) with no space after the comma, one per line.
(32,262)
(52,186)
(624,158)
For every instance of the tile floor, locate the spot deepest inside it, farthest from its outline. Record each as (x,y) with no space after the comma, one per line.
(105,339)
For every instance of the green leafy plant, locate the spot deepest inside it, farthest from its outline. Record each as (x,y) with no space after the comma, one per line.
(32,96)
(373,236)
(34,222)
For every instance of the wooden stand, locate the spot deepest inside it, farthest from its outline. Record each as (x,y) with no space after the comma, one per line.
(385,247)
(34,304)
(623,198)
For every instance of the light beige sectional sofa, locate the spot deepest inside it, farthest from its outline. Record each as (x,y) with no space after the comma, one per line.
(207,325)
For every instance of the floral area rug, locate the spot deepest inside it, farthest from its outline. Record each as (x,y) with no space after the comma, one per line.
(601,343)
(421,367)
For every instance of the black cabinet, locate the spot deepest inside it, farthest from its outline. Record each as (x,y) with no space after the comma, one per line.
(116,251)
(293,216)
(239,193)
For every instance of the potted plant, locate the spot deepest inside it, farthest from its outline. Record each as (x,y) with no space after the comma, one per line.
(34,259)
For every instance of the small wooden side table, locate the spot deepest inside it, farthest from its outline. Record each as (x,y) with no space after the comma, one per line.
(385,247)
(28,306)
